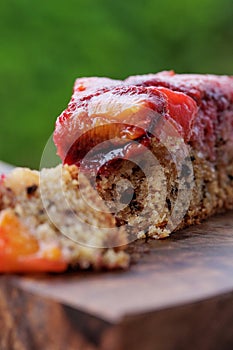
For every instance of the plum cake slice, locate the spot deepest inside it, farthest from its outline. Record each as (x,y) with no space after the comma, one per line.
(46,226)
(158,148)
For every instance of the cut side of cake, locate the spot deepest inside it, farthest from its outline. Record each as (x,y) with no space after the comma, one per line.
(158,148)
(46,226)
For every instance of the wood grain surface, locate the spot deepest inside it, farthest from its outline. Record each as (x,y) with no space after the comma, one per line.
(178,295)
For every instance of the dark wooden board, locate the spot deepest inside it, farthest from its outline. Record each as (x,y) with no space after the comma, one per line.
(178,295)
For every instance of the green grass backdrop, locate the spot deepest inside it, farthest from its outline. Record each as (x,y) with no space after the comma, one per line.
(46,44)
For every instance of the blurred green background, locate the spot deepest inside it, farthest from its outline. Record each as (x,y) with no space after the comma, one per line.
(46,44)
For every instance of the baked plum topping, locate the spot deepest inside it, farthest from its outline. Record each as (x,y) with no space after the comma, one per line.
(109,118)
